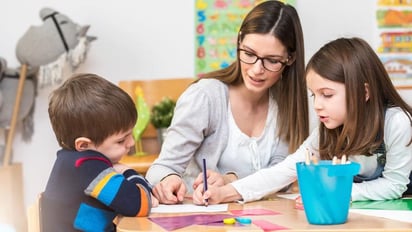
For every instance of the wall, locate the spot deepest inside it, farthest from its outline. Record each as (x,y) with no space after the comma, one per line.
(147,39)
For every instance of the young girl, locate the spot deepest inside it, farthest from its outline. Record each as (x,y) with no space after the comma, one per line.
(362,117)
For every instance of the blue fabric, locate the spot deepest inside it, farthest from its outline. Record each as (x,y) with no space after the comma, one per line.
(93,219)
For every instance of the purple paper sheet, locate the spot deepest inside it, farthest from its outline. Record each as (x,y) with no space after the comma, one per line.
(177,222)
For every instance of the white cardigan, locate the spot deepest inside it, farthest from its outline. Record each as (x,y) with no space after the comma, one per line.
(200,129)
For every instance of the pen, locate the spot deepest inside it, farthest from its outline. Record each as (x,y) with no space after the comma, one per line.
(205,180)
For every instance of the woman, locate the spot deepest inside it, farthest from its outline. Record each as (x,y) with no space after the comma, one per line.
(242,118)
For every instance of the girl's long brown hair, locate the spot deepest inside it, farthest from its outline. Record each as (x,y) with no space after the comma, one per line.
(353,62)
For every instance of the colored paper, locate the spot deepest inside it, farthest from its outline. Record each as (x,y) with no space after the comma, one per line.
(398,204)
(268,226)
(243,212)
(177,222)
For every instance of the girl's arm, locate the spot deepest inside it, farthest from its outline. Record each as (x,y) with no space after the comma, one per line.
(263,182)
(395,176)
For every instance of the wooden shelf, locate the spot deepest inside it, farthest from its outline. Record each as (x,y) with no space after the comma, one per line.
(139,163)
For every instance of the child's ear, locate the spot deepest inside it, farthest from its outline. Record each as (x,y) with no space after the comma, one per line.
(82,143)
(366,91)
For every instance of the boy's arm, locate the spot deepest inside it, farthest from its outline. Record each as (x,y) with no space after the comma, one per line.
(134,177)
(126,197)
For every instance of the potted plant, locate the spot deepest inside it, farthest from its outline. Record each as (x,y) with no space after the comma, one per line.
(161,116)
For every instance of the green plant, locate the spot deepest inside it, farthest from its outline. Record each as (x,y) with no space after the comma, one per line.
(162,113)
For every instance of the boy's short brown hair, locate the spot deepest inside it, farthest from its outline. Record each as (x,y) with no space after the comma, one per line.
(87,105)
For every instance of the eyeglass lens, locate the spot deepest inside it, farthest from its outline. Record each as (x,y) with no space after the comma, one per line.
(270,64)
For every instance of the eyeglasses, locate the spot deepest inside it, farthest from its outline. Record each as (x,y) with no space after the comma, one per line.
(270,64)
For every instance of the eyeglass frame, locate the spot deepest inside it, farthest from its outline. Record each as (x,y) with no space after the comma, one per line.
(283,63)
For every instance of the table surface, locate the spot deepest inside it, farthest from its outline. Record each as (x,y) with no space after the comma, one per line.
(293,219)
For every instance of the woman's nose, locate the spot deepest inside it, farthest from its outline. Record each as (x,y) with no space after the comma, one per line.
(258,66)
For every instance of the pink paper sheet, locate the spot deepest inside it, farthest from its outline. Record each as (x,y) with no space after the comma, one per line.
(251,212)
(268,226)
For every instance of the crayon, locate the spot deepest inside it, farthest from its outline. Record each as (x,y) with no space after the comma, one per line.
(307,160)
(335,160)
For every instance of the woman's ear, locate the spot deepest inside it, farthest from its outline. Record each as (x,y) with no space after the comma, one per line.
(82,143)
(291,59)
(366,91)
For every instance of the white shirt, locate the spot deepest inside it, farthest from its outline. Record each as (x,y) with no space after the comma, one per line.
(245,155)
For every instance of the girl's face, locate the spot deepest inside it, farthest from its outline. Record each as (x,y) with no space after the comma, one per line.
(256,77)
(115,146)
(329,99)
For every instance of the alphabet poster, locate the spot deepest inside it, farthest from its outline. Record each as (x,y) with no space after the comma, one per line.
(217,23)
(394,20)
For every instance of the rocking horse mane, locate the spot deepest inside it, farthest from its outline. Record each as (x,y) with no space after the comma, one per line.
(48,50)
(43,44)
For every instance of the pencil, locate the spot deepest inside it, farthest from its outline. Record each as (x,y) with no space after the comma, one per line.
(343,159)
(335,160)
(205,180)
(307,160)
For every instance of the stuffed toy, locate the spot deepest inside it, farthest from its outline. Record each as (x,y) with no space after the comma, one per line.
(57,44)
(51,52)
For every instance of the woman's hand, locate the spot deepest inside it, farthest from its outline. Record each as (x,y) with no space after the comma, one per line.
(213,179)
(171,190)
(155,201)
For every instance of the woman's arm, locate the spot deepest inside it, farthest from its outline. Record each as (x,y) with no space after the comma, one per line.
(184,136)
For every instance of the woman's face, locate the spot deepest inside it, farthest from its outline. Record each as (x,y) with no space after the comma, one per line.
(256,76)
(329,99)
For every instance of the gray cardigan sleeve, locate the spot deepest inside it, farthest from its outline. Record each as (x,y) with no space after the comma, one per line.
(196,128)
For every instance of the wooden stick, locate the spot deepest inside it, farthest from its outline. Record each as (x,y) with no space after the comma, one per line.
(15,115)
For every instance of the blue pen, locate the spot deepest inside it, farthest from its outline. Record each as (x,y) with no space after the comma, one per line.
(205,180)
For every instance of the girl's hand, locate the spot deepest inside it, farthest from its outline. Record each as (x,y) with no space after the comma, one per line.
(215,194)
(212,195)
(298,202)
(213,179)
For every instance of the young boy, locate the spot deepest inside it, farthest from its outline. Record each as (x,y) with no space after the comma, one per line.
(87,188)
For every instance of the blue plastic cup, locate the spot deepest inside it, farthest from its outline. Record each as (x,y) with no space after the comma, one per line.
(326,190)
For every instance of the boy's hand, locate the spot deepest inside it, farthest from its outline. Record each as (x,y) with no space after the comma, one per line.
(120,168)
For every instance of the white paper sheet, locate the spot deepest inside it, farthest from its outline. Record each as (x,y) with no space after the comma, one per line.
(398,215)
(189,208)
(290,196)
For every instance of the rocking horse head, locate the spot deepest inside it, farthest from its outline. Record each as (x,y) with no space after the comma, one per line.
(58,34)
(57,40)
